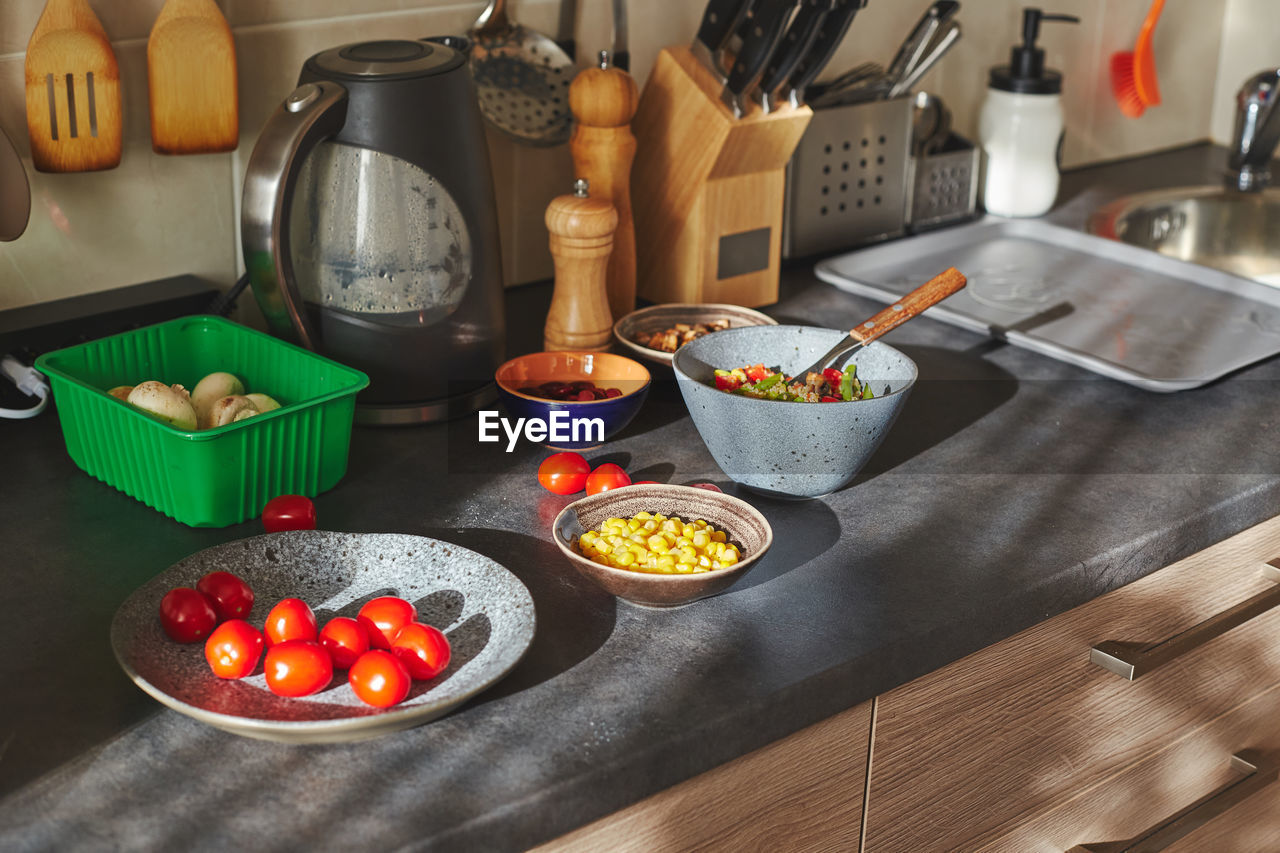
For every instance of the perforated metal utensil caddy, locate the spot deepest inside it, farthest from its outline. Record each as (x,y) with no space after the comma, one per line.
(847,182)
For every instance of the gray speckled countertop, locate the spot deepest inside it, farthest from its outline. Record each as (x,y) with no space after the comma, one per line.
(1012,488)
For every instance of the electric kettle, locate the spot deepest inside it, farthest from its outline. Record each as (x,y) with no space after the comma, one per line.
(370,231)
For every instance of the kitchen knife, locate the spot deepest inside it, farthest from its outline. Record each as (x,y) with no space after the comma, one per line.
(719,20)
(796,42)
(834,26)
(761,32)
(621,53)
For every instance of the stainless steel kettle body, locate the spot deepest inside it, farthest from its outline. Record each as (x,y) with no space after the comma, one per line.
(370,231)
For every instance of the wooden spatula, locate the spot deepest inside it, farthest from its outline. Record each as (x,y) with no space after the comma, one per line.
(73,91)
(191,67)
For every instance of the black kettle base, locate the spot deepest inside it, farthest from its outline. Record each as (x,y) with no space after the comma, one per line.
(433,411)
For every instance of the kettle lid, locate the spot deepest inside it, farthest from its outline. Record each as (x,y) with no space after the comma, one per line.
(391,58)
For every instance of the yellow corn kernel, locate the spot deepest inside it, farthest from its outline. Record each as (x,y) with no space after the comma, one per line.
(688,551)
(670,538)
(600,558)
(626,558)
(658,544)
(718,536)
(650,526)
(728,558)
(683,568)
(703,561)
(701,539)
(666,561)
(638,537)
(699,523)
(642,516)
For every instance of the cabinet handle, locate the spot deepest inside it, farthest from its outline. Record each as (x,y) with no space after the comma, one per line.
(1258,773)
(1131,660)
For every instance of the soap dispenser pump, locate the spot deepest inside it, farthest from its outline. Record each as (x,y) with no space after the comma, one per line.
(1020,127)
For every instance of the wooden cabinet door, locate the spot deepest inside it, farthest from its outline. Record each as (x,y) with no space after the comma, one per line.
(965,755)
(1141,800)
(803,792)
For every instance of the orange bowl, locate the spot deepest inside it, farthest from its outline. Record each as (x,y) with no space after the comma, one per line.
(604,369)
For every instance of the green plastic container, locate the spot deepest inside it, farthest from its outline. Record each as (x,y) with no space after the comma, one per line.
(215,477)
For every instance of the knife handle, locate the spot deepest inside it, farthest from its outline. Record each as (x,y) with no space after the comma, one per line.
(930,293)
(834,27)
(797,41)
(760,36)
(719,20)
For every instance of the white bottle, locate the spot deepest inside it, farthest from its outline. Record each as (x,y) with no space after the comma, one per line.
(1020,127)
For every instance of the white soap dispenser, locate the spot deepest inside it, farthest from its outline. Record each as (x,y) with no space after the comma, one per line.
(1020,127)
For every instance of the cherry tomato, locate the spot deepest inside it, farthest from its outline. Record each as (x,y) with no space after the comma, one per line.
(379,679)
(564,473)
(290,619)
(605,477)
(297,668)
(383,617)
(423,650)
(230,596)
(186,615)
(645,483)
(346,639)
(289,512)
(233,649)
(710,487)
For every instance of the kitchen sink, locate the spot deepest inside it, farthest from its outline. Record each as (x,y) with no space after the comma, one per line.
(1238,232)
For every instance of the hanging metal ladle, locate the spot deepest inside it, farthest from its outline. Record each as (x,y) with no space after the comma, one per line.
(15,192)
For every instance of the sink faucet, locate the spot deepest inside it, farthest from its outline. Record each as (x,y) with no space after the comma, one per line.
(1257,132)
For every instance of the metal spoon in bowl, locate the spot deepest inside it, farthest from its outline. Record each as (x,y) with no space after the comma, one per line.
(931,292)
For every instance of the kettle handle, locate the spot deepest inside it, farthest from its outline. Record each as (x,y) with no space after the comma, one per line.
(311,113)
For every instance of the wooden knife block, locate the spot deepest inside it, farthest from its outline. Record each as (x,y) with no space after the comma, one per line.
(707,189)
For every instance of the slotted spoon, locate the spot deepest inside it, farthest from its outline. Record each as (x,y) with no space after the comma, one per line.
(931,292)
(522,78)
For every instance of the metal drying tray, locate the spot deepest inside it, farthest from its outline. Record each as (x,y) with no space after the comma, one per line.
(1118,310)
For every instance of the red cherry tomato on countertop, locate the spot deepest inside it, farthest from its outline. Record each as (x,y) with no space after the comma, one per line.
(384,617)
(605,477)
(297,668)
(289,512)
(230,596)
(379,679)
(564,473)
(290,619)
(233,649)
(186,615)
(423,649)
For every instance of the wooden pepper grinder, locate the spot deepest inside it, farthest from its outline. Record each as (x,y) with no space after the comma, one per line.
(603,101)
(581,240)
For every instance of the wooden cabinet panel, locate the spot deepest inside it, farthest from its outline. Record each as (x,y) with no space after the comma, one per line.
(803,792)
(1142,797)
(963,756)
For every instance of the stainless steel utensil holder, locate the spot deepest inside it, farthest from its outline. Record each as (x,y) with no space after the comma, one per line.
(847,181)
(944,185)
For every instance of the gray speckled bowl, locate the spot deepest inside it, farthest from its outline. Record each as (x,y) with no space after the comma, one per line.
(484,610)
(742,523)
(792,450)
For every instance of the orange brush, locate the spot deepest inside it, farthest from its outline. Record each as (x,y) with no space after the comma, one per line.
(1133,74)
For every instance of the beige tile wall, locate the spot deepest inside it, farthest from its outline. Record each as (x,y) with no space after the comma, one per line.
(156,216)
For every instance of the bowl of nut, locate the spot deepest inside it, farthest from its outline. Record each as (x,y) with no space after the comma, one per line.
(662,545)
(656,332)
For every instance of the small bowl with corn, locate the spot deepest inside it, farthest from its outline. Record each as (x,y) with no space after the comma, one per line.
(658,545)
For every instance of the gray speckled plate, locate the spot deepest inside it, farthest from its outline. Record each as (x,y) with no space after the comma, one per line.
(484,610)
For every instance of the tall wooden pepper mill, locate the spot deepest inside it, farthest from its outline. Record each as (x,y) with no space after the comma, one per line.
(581,240)
(603,101)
